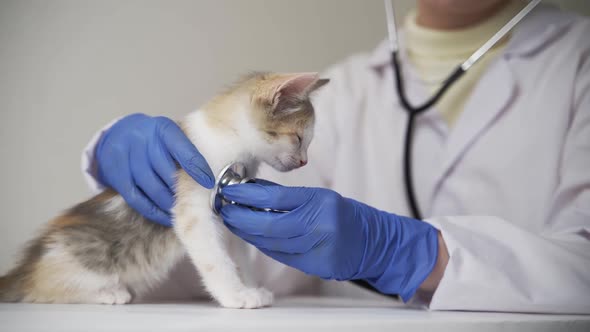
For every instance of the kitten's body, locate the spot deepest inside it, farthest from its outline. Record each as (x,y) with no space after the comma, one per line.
(102,251)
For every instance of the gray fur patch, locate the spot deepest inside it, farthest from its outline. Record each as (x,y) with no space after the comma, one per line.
(114,240)
(11,285)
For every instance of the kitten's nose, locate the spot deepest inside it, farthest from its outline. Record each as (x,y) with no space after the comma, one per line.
(302,163)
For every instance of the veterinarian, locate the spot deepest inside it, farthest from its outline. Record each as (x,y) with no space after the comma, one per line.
(501,169)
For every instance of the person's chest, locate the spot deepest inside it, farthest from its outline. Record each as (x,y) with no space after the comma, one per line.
(501,158)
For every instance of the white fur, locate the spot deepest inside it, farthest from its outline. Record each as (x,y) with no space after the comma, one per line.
(203,234)
(206,241)
(117,206)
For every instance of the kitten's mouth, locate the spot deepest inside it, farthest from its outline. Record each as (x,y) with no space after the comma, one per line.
(281,166)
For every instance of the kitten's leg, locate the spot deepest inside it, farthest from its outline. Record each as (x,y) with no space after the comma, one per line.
(240,252)
(201,232)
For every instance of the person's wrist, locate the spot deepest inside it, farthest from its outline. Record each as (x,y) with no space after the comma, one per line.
(377,229)
(406,257)
(433,280)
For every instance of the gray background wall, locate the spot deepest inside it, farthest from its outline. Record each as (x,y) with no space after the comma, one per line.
(68,67)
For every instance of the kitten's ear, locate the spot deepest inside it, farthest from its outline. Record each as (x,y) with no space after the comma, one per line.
(294,87)
(318,84)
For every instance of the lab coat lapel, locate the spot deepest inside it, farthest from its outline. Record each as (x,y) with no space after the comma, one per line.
(498,87)
(490,98)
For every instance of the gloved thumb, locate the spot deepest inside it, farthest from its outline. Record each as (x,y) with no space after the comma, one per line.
(270,196)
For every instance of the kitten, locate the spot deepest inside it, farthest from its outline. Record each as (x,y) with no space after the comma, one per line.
(102,251)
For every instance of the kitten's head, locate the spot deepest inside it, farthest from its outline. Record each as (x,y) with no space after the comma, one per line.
(282,116)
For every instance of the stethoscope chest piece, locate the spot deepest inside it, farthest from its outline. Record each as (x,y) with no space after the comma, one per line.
(233,173)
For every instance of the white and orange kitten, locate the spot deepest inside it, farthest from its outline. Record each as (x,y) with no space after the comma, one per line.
(102,251)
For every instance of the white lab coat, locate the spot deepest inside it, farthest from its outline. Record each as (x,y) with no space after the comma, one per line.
(508,186)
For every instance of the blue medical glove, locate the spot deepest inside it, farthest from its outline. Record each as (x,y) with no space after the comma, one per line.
(334,237)
(138,158)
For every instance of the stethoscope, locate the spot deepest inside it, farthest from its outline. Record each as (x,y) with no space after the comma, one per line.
(233,173)
(414,111)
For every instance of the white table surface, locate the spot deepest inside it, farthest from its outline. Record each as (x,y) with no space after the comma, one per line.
(289,314)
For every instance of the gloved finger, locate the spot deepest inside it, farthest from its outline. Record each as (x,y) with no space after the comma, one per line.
(297,261)
(150,183)
(163,164)
(124,185)
(295,245)
(110,157)
(266,182)
(185,153)
(275,197)
(140,203)
(262,223)
(301,262)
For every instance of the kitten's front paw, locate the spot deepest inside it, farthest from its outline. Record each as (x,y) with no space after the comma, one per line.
(248,298)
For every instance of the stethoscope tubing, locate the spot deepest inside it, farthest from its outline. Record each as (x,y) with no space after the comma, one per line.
(414,111)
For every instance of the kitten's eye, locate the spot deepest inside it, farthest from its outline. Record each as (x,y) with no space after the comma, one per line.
(299,139)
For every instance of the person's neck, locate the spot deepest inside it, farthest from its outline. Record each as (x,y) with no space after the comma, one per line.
(434,17)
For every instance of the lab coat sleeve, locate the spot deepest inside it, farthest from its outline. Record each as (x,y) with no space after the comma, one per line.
(495,265)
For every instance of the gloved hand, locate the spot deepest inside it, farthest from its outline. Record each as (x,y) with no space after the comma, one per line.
(136,157)
(333,237)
